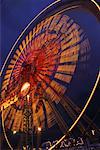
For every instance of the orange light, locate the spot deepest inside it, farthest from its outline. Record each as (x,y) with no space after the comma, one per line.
(28,97)
(25,88)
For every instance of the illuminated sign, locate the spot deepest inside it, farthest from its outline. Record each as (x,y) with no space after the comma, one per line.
(66,143)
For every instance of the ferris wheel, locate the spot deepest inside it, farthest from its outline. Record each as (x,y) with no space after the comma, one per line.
(39,73)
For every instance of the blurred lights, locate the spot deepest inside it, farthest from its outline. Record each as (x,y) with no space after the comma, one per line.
(28,97)
(39,129)
(25,88)
(14,132)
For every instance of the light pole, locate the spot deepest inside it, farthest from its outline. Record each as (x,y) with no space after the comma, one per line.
(27,115)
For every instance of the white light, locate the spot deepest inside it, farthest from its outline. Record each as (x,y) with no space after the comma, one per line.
(2,107)
(39,129)
(28,97)
(93,132)
(25,88)
(14,132)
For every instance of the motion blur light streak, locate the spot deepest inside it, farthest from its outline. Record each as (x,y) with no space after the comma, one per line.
(80,115)
(96,4)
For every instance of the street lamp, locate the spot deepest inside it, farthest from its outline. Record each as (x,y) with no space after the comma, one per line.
(26,112)
(39,129)
(25,88)
(14,132)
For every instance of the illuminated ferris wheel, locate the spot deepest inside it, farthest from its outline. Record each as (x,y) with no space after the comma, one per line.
(40,72)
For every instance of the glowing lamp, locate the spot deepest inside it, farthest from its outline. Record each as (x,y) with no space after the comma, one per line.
(25,88)
(39,129)
(14,132)
(28,97)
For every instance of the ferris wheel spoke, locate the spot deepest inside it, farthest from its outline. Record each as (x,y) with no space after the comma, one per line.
(78,110)
(72,114)
(62,125)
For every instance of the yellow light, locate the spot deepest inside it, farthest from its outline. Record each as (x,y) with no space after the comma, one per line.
(28,97)
(25,88)
(39,129)
(14,132)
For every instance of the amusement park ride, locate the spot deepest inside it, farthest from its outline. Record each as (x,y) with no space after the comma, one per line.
(39,74)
